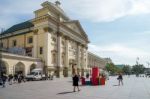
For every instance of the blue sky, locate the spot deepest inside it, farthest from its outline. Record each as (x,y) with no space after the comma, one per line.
(119,29)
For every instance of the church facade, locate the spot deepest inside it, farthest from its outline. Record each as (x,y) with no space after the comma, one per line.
(61,43)
(52,40)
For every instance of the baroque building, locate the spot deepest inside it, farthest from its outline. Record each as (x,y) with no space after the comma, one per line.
(60,43)
(51,41)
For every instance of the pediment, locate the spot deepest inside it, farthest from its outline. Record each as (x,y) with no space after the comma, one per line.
(76,26)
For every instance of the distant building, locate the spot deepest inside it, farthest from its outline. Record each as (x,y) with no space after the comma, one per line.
(94,60)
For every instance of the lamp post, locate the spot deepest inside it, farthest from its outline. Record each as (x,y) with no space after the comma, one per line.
(148,69)
(137,60)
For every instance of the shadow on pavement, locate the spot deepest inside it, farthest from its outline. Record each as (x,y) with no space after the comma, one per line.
(115,85)
(67,92)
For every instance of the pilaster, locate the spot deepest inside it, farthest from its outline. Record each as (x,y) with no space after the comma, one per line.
(35,40)
(47,46)
(59,39)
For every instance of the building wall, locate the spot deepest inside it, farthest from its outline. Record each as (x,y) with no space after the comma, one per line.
(50,33)
(94,60)
(11,61)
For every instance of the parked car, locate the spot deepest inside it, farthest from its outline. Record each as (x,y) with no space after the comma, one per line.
(147,74)
(36,74)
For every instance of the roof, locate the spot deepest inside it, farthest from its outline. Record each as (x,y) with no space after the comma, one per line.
(79,26)
(19,26)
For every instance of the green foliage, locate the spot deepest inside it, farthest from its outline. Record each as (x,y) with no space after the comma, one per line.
(126,69)
(112,68)
(138,69)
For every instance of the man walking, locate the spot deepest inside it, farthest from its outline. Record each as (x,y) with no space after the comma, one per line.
(76,82)
(120,79)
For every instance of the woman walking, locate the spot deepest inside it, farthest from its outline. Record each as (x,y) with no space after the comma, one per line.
(76,82)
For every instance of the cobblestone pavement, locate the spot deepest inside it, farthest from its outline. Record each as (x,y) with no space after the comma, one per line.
(133,88)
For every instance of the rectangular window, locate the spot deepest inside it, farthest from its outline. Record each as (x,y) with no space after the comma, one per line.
(14,42)
(1,45)
(41,50)
(30,40)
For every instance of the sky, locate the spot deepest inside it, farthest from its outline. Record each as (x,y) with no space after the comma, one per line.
(118,29)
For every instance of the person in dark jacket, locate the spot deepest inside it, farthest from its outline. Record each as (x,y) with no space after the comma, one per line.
(19,78)
(4,78)
(120,79)
(10,78)
(15,78)
(76,82)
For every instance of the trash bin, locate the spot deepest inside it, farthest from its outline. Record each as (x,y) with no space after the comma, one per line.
(83,80)
(102,81)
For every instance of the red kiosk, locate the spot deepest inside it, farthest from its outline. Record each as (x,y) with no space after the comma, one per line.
(95,74)
(96,79)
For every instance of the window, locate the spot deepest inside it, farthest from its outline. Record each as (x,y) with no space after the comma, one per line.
(53,58)
(30,40)
(63,59)
(1,45)
(41,50)
(14,42)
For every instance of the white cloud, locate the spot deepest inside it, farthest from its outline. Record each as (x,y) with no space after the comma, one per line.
(13,12)
(120,54)
(92,10)
(107,10)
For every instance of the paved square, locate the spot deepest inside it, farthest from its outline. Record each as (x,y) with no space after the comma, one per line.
(133,88)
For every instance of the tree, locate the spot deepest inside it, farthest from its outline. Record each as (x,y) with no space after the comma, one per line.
(112,68)
(126,69)
(138,69)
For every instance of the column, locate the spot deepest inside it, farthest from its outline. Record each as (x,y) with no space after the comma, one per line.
(35,41)
(66,56)
(46,49)
(86,57)
(82,61)
(59,54)
(78,58)
(82,57)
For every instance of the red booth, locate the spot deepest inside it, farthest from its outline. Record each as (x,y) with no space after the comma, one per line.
(95,74)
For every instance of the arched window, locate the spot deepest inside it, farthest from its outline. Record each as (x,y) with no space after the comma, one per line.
(33,66)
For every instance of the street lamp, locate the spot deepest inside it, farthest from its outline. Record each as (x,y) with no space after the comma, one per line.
(137,60)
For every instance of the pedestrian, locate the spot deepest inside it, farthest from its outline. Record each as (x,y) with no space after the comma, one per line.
(22,77)
(19,78)
(15,78)
(49,77)
(4,78)
(10,78)
(120,79)
(87,75)
(76,82)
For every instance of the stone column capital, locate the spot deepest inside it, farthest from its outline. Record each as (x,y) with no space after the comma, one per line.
(47,29)
(67,37)
(35,32)
(60,34)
